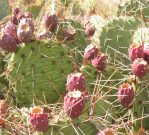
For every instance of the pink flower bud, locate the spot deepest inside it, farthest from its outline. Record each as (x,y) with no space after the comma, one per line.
(139,67)
(126,94)
(99,62)
(135,51)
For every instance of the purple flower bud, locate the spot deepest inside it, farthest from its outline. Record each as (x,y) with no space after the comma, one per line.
(90,52)
(126,94)
(50,22)
(99,62)
(74,103)
(11,28)
(135,51)
(8,42)
(89,30)
(76,81)
(68,34)
(139,67)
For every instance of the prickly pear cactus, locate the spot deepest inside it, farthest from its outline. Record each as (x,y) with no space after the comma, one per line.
(115,37)
(38,71)
(140,111)
(36,74)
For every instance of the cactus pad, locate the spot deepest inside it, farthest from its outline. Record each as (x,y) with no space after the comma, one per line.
(39,69)
(117,34)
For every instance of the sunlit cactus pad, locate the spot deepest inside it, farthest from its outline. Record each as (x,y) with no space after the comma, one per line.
(38,70)
(117,34)
(74,67)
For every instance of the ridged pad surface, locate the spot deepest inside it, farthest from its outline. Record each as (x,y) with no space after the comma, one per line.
(39,69)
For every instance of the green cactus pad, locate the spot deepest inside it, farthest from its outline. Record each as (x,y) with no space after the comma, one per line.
(39,69)
(1,64)
(105,84)
(80,38)
(73,128)
(80,41)
(115,37)
(35,10)
(3,80)
(138,8)
(86,128)
(140,110)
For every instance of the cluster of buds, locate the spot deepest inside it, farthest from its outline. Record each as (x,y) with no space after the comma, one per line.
(97,58)
(75,99)
(18,29)
(139,55)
